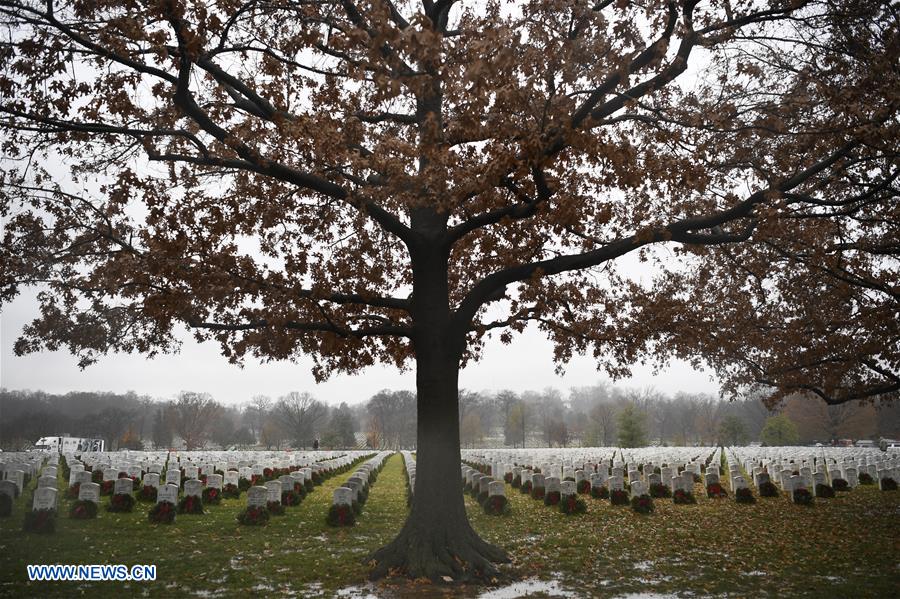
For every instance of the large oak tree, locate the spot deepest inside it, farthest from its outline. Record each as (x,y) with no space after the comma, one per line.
(368,181)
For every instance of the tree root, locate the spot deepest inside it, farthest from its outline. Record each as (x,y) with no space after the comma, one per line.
(440,556)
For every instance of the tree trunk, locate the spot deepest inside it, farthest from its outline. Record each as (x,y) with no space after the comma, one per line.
(437,539)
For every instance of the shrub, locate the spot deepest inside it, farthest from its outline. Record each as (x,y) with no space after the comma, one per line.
(340,515)
(642,504)
(744,495)
(824,491)
(660,491)
(190,504)
(496,505)
(40,521)
(82,509)
(600,492)
(120,502)
(572,504)
(618,497)
(681,496)
(253,516)
(162,512)
(768,489)
(802,497)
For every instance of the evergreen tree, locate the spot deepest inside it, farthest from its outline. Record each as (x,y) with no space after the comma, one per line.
(632,427)
(779,430)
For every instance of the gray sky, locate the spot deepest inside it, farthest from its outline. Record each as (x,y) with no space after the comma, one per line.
(526,364)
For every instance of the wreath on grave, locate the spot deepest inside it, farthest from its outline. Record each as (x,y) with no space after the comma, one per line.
(97,476)
(300,489)
(525,488)
(508,478)
(482,497)
(744,495)
(683,497)
(888,484)
(496,505)
(316,478)
(824,491)
(618,497)
(802,497)
(83,509)
(231,491)
(584,487)
(275,508)
(517,481)
(162,512)
(600,492)
(120,502)
(866,479)
(309,484)
(147,493)
(538,492)
(40,521)
(255,480)
(72,492)
(267,473)
(552,498)
(340,515)
(290,498)
(715,491)
(5,505)
(660,491)
(768,489)
(212,495)
(253,516)
(106,487)
(572,504)
(839,484)
(190,504)
(642,504)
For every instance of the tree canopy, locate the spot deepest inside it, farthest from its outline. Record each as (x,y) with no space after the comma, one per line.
(229,166)
(378,181)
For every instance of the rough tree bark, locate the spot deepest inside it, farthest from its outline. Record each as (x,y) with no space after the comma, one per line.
(437,539)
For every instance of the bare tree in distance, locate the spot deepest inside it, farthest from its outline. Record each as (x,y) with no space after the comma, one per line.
(301,416)
(192,416)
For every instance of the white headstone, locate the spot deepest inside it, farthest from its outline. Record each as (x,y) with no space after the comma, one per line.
(193,487)
(44,499)
(496,488)
(342,496)
(168,493)
(173,477)
(257,496)
(274,491)
(123,486)
(89,492)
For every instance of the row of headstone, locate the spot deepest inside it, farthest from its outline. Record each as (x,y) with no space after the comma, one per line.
(348,494)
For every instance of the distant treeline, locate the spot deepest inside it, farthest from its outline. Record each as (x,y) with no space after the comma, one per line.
(601,414)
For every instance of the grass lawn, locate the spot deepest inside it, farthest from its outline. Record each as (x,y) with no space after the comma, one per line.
(843,547)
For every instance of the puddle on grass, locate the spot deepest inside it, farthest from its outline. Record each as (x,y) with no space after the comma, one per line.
(645,596)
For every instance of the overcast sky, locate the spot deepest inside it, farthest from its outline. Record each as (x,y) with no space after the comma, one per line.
(526,364)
